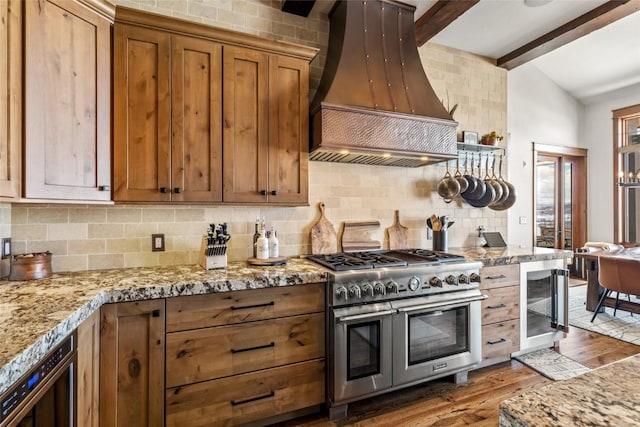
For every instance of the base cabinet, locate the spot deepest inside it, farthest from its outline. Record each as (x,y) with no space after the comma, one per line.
(132,364)
(88,391)
(255,356)
(500,312)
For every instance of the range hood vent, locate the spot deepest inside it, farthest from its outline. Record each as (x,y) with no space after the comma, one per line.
(375,104)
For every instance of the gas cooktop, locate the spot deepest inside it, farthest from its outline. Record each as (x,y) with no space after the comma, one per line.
(343,261)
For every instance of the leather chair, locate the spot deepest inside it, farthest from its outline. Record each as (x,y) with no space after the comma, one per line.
(619,275)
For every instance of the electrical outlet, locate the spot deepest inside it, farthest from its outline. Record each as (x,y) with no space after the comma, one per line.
(157,242)
(6,247)
(522,220)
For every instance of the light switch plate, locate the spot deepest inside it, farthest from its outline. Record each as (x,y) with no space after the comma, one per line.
(6,247)
(157,242)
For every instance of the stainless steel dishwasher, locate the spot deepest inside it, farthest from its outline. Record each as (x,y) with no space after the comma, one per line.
(46,394)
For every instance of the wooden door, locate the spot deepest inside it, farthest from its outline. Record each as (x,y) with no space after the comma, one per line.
(67,101)
(132,364)
(288,130)
(196,117)
(560,197)
(10,98)
(245,125)
(88,385)
(141,114)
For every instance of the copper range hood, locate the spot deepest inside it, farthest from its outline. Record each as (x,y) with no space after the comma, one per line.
(375,104)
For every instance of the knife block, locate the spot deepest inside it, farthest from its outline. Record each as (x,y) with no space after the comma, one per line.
(211,262)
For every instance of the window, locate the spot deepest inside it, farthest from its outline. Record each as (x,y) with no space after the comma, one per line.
(626,164)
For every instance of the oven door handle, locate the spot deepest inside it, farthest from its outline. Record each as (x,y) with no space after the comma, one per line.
(365,316)
(442,304)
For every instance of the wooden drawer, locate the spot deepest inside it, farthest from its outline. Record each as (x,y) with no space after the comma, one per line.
(210,353)
(500,339)
(503,304)
(499,275)
(201,311)
(247,397)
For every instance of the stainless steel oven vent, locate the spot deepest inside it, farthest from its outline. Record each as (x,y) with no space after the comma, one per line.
(374,95)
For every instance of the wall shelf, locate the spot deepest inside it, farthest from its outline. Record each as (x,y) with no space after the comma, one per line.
(479,148)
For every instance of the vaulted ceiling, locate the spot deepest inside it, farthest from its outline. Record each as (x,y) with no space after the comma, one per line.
(587,47)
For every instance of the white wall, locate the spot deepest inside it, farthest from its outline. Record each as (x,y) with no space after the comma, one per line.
(538,111)
(597,135)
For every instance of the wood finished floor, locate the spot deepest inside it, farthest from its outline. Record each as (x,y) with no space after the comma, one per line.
(442,403)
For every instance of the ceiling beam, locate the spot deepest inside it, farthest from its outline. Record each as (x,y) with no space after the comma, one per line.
(298,7)
(438,16)
(595,19)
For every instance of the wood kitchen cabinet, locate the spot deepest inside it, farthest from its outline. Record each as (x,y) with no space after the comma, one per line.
(251,356)
(67,99)
(10,98)
(203,114)
(265,127)
(132,346)
(500,312)
(167,112)
(88,385)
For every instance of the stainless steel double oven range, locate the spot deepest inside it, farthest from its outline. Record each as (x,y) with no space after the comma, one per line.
(398,318)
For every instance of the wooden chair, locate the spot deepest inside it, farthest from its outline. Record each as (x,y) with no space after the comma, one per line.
(619,275)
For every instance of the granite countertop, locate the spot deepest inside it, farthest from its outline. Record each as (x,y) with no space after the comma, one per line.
(37,315)
(606,396)
(510,254)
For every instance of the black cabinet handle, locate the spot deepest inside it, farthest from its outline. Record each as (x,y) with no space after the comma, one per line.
(244,307)
(274,193)
(177,190)
(164,190)
(496,341)
(263,192)
(502,276)
(253,399)
(496,306)
(155,313)
(260,347)
(104,188)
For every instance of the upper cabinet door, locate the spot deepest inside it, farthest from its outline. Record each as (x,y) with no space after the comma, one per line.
(141,114)
(10,98)
(196,134)
(245,125)
(67,101)
(288,130)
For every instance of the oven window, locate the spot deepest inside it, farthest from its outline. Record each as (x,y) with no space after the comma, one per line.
(363,350)
(438,334)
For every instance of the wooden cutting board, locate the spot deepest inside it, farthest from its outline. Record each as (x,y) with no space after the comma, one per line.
(398,234)
(355,236)
(323,235)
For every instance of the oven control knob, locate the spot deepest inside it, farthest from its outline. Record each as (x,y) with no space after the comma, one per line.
(379,288)
(463,278)
(341,292)
(474,277)
(355,291)
(451,280)
(392,286)
(435,282)
(414,283)
(367,289)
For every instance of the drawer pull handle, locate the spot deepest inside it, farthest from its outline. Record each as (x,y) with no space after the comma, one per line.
(496,306)
(496,341)
(500,276)
(260,347)
(253,399)
(244,307)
